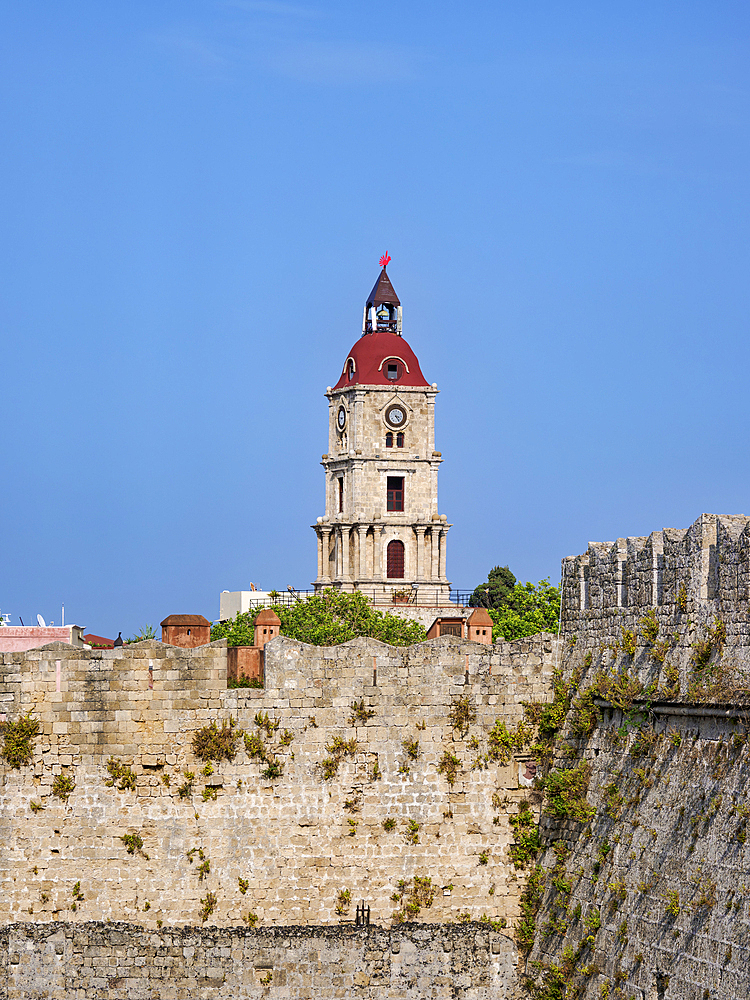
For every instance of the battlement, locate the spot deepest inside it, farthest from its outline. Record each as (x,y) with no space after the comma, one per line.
(709,562)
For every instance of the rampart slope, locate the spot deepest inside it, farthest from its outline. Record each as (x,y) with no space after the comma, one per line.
(643,890)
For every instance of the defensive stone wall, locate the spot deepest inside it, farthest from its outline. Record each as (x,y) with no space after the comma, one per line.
(706,565)
(643,889)
(650,898)
(61,961)
(240,839)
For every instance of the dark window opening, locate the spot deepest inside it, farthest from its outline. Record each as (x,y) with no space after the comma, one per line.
(188,631)
(395,489)
(341,496)
(399,440)
(395,559)
(389,440)
(393,371)
(451,630)
(351,370)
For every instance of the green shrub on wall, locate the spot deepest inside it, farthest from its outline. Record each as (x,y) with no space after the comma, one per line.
(17,736)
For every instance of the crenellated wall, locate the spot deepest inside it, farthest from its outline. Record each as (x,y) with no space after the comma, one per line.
(700,572)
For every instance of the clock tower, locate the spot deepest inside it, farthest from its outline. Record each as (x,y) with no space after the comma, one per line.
(381,532)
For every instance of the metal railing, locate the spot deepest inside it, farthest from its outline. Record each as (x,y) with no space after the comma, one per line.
(425,597)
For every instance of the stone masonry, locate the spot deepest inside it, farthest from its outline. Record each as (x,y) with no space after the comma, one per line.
(90,960)
(283,848)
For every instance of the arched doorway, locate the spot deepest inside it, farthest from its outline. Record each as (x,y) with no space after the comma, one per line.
(395,560)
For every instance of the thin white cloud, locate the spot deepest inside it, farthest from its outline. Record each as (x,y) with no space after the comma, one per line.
(333,62)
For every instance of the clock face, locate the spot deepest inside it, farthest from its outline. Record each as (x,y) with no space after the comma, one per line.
(396,416)
(341,418)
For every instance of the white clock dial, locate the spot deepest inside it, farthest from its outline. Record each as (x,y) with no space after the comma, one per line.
(341,417)
(396,416)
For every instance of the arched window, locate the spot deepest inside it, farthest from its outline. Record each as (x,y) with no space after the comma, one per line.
(389,440)
(395,559)
(350,370)
(399,440)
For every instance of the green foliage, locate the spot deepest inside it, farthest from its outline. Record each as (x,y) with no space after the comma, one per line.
(462,714)
(147,632)
(360,714)
(186,790)
(484,858)
(274,768)
(530,609)
(628,642)
(649,627)
(254,746)
(566,792)
(337,749)
(389,824)
(214,743)
(262,721)
(496,591)
(415,895)
(243,885)
(530,899)
(63,786)
(17,748)
(343,901)
(327,618)
(245,682)
(503,743)
(449,765)
(584,715)
(411,747)
(412,831)
(673,903)
(122,773)
(527,844)
(133,842)
(208,905)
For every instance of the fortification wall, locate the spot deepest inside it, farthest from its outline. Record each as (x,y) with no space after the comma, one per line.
(282,848)
(61,961)
(645,871)
(703,569)
(652,898)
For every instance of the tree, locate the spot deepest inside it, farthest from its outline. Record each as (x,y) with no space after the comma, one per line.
(325,619)
(528,610)
(495,592)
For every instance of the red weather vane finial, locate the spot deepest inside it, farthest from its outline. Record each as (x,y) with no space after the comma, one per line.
(384,260)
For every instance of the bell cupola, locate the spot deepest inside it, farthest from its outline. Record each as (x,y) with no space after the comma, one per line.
(382,309)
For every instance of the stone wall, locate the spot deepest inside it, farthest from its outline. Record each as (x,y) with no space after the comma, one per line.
(62,961)
(653,897)
(282,848)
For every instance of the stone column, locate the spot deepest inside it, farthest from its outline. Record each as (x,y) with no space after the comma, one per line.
(320,553)
(419,568)
(362,551)
(325,535)
(434,538)
(377,553)
(345,575)
(443,540)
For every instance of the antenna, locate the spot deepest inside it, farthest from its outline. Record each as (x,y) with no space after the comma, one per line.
(41,622)
(63,615)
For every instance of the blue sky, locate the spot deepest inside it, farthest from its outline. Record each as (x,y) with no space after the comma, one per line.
(195,195)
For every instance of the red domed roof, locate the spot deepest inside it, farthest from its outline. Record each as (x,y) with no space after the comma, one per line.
(370,354)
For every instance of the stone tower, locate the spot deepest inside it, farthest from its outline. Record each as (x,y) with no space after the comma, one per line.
(381,532)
